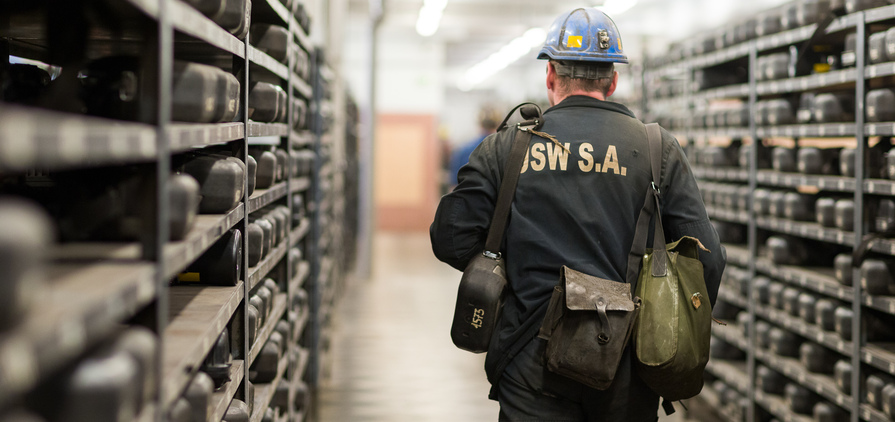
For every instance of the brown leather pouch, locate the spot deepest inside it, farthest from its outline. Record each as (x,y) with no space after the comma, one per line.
(587,326)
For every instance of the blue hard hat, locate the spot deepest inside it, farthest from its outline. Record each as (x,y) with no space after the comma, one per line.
(583,34)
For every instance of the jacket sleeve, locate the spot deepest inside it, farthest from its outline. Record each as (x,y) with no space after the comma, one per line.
(464,215)
(684,214)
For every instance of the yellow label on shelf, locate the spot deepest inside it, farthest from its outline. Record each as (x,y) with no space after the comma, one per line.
(821,67)
(188,277)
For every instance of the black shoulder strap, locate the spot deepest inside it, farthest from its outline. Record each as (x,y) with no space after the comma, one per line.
(521,139)
(650,208)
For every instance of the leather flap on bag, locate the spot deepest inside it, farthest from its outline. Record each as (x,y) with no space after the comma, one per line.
(687,246)
(585,292)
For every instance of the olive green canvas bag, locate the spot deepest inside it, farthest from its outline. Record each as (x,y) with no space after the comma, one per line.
(671,336)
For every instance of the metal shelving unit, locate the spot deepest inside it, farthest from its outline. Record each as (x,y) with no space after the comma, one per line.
(751,258)
(97,287)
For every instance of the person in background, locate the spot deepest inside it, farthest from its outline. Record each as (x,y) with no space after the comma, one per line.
(488,121)
(579,194)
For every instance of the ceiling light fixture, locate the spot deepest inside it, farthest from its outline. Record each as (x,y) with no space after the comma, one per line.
(507,55)
(616,7)
(430,17)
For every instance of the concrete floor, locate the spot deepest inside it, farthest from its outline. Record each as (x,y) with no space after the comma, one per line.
(391,357)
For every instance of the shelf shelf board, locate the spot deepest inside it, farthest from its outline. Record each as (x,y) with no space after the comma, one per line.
(880,303)
(300,184)
(727,174)
(777,406)
(724,214)
(729,133)
(207,229)
(281,11)
(84,302)
(820,280)
(723,92)
(730,411)
(302,323)
(264,392)
(820,130)
(223,396)
(880,355)
(300,232)
(731,372)
(808,82)
(36,138)
(190,21)
(818,383)
(196,318)
(264,60)
(263,197)
(258,272)
(186,136)
(737,255)
(270,323)
(731,295)
(812,332)
(879,186)
(796,180)
(738,51)
(876,14)
(721,56)
(731,333)
(304,358)
(303,87)
(808,230)
(879,129)
(268,129)
(305,138)
(304,270)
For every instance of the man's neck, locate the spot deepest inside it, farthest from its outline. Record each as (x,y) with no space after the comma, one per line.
(593,94)
(558,98)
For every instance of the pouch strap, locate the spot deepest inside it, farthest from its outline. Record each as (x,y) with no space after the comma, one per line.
(511,174)
(603,336)
(649,209)
(507,190)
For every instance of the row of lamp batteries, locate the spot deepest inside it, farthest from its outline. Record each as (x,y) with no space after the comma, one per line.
(116,382)
(877,272)
(809,107)
(113,87)
(195,403)
(809,160)
(234,15)
(100,204)
(828,315)
(792,15)
(111,203)
(827,209)
(104,385)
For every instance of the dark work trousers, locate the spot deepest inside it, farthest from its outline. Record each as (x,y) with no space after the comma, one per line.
(529,392)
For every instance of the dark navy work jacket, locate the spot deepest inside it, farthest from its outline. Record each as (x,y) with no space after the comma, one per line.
(576,208)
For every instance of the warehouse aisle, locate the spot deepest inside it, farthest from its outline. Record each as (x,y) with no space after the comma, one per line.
(392,359)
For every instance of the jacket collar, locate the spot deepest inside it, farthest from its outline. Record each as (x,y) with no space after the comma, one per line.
(585,101)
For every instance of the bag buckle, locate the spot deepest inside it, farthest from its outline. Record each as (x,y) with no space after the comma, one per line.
(492,255)
(655,188)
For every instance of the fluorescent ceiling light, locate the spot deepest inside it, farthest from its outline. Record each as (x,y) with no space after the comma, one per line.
(616,7)
(430,17)
(508,54)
